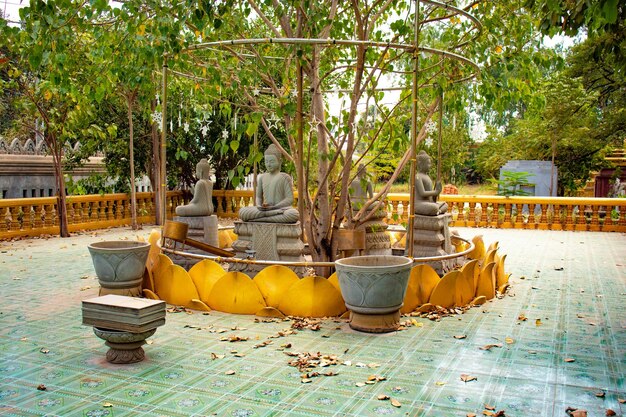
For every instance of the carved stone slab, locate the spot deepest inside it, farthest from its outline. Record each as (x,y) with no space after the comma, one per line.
(267,241)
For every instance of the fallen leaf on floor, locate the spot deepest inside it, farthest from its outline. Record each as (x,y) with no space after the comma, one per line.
(24,339)
(42,387)
(85,288)
(360,384)
(459,336)
(107,405)
(559,268)
(396,403)
(149,342)
(229,372)
(216,356)
(470,415)
(373,365)
(306,380)
(522,317)
(610,412)
(468,378)
(509,340)
(383,397)
(44,350)
(600,394)
(538,322)
(490,407)
(574,412)
(621,401)
(488,413)
(488,347)
(569,360)
(440,383)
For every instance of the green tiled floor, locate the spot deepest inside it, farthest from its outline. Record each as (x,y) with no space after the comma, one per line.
(574,283)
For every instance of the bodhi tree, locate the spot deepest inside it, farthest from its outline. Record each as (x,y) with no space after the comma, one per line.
(45,61)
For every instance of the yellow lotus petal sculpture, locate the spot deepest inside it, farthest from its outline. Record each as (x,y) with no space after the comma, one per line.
(422,282)
(490,256)
(199,305)
(443,294)
(159,270)
(501,277)
(334,279)
(487,281)
(174,286)
(493,246)
(312,297)
(236,293)
(470,272)
(149,294)
(273,281)
(225,241)
(204,275)
(479,248)
(270,312)
(153,259)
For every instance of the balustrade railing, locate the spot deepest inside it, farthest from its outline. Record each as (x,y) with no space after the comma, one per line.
(38,216)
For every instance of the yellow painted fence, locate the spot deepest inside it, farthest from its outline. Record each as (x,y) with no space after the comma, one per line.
(37,216)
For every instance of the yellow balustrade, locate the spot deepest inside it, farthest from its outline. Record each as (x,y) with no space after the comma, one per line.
(37,216)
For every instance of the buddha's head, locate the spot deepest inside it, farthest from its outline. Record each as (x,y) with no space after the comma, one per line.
(203,169)
(273,158)
(423,162)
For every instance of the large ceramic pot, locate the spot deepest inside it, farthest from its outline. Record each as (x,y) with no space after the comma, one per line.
(373,288)
(119,265)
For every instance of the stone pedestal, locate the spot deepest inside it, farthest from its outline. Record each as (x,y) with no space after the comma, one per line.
(431,237)
(268,242)
(377,241)
(201,228)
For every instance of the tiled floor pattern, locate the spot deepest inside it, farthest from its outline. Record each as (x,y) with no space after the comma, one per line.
(570,286)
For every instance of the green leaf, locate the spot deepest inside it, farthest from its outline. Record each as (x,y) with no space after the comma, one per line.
(234,145)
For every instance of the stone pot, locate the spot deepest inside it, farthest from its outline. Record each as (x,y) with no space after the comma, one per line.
(119,265)
(373,288)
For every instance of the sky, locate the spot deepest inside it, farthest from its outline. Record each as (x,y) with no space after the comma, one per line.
(10,8)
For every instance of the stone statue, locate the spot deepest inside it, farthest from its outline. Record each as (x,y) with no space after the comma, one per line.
(274,194)
(360,189)
(425,202)
(201,204)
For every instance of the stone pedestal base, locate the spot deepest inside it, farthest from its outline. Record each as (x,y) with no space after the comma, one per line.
(124,347)
(377,241)
(201,228)
(431,237)
(375,323)
(269,242)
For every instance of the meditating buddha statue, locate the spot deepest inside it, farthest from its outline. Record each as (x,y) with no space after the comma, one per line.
(360,189)
(201,204)
(274,194)
(425,202)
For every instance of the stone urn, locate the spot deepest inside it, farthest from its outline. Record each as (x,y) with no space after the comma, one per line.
(373,288)
(124,347)
(119,265)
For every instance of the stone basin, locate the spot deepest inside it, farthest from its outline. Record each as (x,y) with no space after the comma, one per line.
(119,264)
(373,288)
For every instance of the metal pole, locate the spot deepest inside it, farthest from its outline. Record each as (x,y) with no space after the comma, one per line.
(414,110)
(164,144)
(439,140)
(300,146)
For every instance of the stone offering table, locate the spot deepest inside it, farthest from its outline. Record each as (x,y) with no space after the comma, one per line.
(431,237)
(124,323)
(267,241)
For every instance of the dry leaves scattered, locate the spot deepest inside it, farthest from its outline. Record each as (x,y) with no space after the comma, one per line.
(179,309)
(307,362)
(301,323)
(468,378)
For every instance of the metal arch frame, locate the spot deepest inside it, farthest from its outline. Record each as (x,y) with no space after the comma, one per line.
(415,49)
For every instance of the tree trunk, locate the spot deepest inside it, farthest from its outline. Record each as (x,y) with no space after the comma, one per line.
(133,195)
(57,155)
